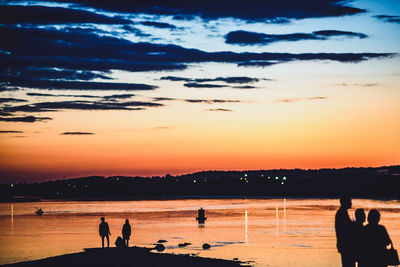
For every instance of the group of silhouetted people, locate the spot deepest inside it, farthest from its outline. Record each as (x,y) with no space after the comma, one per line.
(365,245)
(104,232)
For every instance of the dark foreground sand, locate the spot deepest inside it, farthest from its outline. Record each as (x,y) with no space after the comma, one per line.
(134,256)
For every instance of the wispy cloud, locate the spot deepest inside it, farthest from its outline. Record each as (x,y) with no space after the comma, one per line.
(387,18)
(11,100)
(277,11)
(219,109)
(11,131)
(77,133)
(24,119)
(255,38)
(289,100)
(359,84)
(15,14)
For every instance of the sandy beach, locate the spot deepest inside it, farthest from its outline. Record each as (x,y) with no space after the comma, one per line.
(133,256)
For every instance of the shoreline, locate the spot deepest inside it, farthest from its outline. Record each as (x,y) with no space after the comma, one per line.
(132,256)
(20,199)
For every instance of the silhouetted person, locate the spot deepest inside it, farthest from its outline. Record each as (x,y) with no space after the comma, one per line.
(376,241)
(344,233)
(126,232)
(104,231)
(358,236)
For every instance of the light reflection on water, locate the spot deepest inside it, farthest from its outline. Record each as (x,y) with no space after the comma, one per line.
(270,232)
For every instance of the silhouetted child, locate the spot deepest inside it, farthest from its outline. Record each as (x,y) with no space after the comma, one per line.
(376,241)
(358,235)
(344,233)
(104,231)
(126,232)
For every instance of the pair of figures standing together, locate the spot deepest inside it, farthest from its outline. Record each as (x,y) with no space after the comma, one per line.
(367,244)
(104,232)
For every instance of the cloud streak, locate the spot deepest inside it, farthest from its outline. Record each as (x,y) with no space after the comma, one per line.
(252,10)
(15,14)
(77,133)
(255,38)
(289,100)
(387,18)
(11,131)
(219,110)
(24,119)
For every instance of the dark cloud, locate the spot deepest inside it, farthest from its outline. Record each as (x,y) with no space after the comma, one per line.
(259,63)
(245,87)
(218,79)
(11,131)
(24,119)
(77,85)
(77,133)
(84,52)
(203,85)
(251,10)
(212,101)
(330,33)
(177,79)
(255,38)
(219,109)
(11,100)
(108,97)
(5,113)
(161,25)
(80,105)
(122,96)
(164,99)
(52,74)
(135,31)
(14,14)
(387,18)
(61,95)
(289,100)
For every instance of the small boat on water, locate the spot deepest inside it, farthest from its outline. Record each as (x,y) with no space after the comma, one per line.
(39,212)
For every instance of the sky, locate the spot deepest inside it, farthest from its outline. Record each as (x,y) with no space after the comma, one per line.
(151,87)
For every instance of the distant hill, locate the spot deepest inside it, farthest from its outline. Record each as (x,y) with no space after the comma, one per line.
(358,182)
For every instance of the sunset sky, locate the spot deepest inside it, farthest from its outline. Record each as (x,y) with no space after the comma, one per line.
(157,87)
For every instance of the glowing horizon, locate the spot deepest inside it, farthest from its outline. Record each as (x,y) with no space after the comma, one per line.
(209,112)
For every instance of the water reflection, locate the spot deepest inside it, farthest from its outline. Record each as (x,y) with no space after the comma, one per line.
(277,219)
(245,226)
(12,217)
(306,237)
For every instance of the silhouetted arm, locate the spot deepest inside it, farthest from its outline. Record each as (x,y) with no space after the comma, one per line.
(386,237)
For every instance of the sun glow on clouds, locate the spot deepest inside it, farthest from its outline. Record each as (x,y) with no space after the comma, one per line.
(319,109)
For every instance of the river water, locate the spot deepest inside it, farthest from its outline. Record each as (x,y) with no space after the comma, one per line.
(266,232)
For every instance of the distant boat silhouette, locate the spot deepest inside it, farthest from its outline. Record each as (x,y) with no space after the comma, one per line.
(39,212)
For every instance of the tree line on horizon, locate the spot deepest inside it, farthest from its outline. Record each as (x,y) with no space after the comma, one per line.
(357,182)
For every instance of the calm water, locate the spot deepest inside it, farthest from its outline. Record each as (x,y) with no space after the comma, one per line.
(268,232)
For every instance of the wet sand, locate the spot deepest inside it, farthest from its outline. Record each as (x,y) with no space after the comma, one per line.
(133,256)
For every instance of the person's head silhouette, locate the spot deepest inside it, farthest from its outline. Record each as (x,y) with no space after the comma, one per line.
(360,215)
(127,221)
(345,202)
(373,217)
(102,219)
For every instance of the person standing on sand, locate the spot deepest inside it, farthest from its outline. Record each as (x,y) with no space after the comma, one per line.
(104,231)
(358,235)
(344,234)
(126,232)
(376,241)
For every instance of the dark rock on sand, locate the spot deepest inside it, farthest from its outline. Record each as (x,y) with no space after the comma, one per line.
(206,246)
(160,247)
(124,257)
(181,245)
(162,241)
